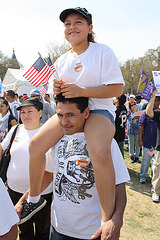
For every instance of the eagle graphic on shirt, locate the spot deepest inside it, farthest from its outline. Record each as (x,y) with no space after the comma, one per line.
(75,175)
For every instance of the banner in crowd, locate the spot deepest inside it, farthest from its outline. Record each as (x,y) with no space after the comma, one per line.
(156,78)
(145,86)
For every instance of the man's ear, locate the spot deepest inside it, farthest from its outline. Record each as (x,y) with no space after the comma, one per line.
(87,113)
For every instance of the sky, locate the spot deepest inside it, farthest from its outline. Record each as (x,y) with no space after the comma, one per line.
(129,27)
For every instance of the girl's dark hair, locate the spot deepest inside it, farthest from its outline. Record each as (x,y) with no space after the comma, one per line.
(91,36)
(81,102)
(4,101)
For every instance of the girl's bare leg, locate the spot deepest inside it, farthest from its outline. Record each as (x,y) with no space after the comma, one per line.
(99,131)
(46,137)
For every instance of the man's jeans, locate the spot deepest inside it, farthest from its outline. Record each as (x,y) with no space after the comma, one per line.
(146,159)
(156,173)
(54,235)
(134,145)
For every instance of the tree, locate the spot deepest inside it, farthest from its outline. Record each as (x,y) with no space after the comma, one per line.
(4,62)
(57,50)
(131,69)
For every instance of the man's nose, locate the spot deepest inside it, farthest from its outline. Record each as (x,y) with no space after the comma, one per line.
(64,120)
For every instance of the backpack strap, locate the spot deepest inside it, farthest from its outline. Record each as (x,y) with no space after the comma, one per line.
(13,136)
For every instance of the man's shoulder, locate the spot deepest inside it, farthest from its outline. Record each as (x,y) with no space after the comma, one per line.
(15,104)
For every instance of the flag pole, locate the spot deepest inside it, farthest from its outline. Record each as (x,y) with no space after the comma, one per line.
(49,67)
(54,67)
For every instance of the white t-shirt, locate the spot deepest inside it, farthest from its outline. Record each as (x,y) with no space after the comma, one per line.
(8,215)
(76,209)
(96,66)
(18,169)
(14,105)
(53,105)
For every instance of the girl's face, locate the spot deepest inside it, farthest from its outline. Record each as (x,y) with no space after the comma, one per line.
(3,109)
(76,29)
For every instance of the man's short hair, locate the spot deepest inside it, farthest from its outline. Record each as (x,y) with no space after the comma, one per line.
(122,99)
(158,98)
(11,93)
(81,102)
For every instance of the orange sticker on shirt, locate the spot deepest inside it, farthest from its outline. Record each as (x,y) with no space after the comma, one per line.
(15,140)
(83,163)
(78,69)
(78,66)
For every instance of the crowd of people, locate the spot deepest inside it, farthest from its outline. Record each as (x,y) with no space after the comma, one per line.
(135,122)
(73,148)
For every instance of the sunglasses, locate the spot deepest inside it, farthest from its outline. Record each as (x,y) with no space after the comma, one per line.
(133,104)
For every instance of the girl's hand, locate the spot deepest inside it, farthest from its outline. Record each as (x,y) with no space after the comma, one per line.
(71,90)
(57,86)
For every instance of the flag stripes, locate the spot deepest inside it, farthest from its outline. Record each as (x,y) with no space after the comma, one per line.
(38,73)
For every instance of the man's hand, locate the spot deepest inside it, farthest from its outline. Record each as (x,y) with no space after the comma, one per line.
(109,231)
(141,143)
(19,206)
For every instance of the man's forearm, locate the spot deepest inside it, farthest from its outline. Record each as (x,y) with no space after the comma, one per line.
(149,109)
(120,204)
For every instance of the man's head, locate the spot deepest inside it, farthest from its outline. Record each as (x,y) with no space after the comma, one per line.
(10,96)
(35,93)
(47,97)
(119,101)
(131,97)
(156,103)
(138,99)
(72,113)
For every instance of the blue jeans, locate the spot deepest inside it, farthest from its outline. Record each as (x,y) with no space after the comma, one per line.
(105,113)
(54,235)
(146,159)
(134,145)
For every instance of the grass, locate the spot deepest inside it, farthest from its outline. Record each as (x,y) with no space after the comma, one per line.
(142,216)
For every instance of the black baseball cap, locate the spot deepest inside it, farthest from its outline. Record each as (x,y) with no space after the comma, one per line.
(138,97)
(32,101)
(82,11)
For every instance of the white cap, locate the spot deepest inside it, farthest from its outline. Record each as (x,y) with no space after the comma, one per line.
(132,96)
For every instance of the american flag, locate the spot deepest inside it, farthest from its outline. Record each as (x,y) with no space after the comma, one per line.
(150,153)
(50,64)
(44,89)
(38,73)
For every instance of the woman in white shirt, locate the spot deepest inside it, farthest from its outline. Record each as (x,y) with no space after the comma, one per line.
(18,170)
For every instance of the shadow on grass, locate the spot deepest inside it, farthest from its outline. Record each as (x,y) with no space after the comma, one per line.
(135,185)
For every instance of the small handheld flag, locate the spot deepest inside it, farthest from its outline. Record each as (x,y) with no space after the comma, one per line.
(38,73)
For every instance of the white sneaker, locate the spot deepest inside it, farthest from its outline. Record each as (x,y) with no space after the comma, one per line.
(155,197)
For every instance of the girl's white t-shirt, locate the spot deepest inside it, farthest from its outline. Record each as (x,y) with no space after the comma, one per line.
(8,215)
(98,65)
(18,169)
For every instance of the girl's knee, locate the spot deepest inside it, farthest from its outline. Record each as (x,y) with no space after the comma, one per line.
(101,155)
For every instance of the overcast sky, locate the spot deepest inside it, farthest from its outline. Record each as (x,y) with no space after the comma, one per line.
(129,27)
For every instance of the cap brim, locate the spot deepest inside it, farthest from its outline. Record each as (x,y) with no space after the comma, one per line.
(66,12)
(24,105)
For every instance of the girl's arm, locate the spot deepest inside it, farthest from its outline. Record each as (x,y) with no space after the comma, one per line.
(71,90)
